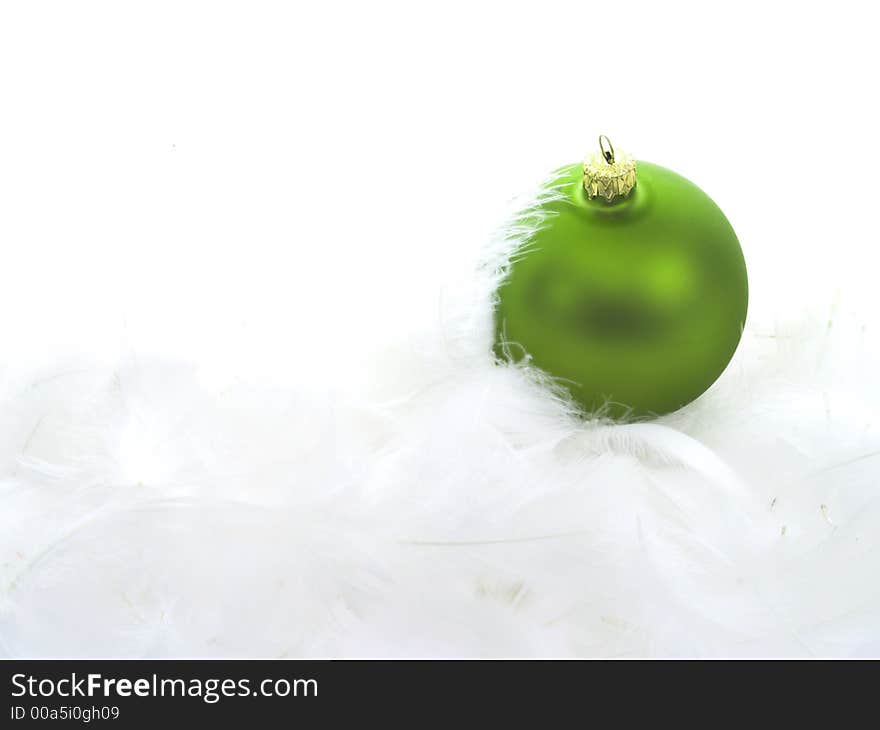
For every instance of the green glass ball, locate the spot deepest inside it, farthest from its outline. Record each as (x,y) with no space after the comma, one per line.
(636,306)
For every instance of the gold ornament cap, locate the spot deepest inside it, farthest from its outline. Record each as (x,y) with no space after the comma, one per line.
(608,175)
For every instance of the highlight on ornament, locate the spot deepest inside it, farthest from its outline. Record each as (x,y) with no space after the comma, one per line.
(630,290)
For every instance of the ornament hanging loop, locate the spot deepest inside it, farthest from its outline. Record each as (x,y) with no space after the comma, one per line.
(608,176)
(606,148)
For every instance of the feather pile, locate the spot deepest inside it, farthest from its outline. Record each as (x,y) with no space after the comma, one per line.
(458,508)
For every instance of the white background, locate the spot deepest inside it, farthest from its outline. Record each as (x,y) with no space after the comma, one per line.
(282,188)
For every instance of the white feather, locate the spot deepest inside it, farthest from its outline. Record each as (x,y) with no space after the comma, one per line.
(456,508)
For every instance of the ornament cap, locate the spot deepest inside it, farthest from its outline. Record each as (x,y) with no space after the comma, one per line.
(608,175)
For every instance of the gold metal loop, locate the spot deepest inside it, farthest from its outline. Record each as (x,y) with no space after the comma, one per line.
(608,176)
(606,149)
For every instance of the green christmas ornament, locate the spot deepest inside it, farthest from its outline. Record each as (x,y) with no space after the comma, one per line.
(632,291)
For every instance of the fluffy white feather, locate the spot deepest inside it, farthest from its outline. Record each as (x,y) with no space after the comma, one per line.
(457,508)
